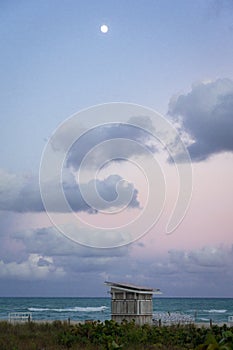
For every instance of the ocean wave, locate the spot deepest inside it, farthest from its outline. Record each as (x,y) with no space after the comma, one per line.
(70,309)
(211,311)
(204,319)
(214,311)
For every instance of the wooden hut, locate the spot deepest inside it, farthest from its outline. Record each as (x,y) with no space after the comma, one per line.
(131,302)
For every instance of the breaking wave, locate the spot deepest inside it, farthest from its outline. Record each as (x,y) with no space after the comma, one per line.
(204,319)
(71,309)
(213,311)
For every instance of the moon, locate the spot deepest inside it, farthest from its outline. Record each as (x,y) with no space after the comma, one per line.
(104,28)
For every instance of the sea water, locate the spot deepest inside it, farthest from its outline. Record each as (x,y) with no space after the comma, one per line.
(199,309)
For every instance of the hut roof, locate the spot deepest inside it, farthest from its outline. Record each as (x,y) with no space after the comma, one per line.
(133,288)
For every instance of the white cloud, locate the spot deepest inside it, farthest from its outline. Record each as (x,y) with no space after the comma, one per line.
(35,267)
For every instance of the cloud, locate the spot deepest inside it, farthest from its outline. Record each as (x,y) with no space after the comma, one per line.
(42,254)
(106,189)
(94,137)
(206,114)
(207,271)
(22,194)
(49,241)
(19,193)
(46,255)
(205,259)
(35,267)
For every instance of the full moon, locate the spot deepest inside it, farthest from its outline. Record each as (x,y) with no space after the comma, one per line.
(104,28)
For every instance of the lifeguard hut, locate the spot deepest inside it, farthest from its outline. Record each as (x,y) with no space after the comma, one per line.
(131,302)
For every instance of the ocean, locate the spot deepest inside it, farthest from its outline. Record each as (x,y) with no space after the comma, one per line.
(199,309)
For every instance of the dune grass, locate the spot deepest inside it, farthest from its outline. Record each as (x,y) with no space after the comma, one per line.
(110,335)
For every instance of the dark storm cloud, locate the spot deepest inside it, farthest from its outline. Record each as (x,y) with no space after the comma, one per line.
(206,114)
(23,194)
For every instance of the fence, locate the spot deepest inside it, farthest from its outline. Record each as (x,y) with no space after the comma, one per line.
(15,317)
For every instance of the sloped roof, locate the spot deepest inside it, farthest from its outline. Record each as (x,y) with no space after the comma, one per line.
(132,287)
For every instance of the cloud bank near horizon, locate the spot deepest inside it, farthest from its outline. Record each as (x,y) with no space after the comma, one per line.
(45,255)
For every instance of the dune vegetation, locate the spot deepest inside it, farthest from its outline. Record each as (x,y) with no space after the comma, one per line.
(110,335)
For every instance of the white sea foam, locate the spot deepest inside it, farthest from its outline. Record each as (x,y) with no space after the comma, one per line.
(213,311)
(204,319)
(71,309)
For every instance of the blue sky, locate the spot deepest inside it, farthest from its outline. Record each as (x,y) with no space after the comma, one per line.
(54,62)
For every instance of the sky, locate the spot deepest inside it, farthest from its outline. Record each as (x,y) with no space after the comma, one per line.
(164,68)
